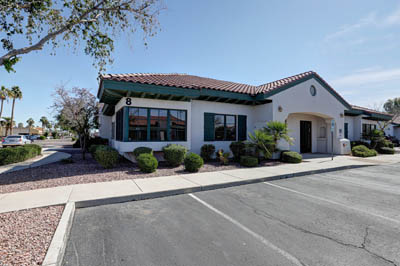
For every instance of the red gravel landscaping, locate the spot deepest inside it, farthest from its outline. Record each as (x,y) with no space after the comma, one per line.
(26,235)
(89,171)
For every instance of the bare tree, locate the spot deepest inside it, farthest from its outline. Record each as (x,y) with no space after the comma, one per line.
(78,107)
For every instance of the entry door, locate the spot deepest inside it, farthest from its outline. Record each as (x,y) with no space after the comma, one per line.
(305,136)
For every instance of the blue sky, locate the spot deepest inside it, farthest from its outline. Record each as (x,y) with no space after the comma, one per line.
(353,45)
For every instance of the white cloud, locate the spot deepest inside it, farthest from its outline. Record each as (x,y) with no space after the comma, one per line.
(392,19)
(346,29)
(368,21)
(368,77)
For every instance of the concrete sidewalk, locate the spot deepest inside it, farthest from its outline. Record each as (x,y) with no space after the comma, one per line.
(136,189)
(47,157)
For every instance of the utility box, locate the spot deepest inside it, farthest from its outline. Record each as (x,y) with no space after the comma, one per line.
(345,147)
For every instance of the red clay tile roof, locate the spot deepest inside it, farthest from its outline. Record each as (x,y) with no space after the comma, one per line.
(196,82)
(282,82)
(182,81)
(355,107)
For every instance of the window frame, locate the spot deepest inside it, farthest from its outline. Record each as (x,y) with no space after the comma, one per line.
(168,137)
(225,127)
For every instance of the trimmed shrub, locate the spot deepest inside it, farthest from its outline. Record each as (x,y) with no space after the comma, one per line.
(147,163)
(174,154)
(42,137)
(358,143)
(291,157)
(19,154)
(140,150)
(238,149)
(93,149)
(386,150)
(363,151)
(248,161)
(207,151)
(193,162)
(106,156)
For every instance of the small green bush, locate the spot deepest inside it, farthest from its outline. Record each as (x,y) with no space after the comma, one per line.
(363,151)
(106,156)
(42,137)
(358,143)
(248,161)
(174,154)
(291,157)
(147,163)
(238,149)
(386,150)
(141,150)
(193,162)
(207,151)
(93,149)
(19,154)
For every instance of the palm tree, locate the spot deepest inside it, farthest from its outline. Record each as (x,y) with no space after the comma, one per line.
(4,94)
(9,125)
(44,122)
(15,93)
(30,123)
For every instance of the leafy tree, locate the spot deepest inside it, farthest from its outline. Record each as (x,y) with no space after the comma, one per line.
(30,123)
(78,107)
(92,23)
(15,93)
(391,106)
(4,94)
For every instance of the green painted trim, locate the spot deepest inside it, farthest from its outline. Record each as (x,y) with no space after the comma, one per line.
(110,85)
(169,125)
(126,124)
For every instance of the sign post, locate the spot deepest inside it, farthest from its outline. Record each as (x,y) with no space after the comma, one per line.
(332,129)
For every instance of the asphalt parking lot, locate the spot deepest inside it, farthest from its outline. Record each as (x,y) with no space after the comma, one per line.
(347,218)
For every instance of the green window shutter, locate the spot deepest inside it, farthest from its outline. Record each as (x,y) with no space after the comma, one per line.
(208,127)
(242,127)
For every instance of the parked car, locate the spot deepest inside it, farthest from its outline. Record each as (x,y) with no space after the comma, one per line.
(15,140)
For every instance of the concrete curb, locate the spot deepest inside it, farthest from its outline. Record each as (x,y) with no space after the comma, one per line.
(160,194)
(55,252)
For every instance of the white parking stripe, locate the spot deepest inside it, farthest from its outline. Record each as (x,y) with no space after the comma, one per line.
(255,235)
(336,203)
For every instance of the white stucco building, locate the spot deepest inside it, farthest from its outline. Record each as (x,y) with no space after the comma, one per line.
(157,109)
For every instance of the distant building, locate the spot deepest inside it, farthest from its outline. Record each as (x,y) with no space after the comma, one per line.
(23,131)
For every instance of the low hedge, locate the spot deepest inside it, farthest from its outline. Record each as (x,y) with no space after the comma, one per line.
(207,151)
(193,162)
(248,161)
(359,142)
(386,150)
(141,150)
(174,154)
(19,154)
(147,163)
(363,151)
(291,157)
(238,149)
(106,156)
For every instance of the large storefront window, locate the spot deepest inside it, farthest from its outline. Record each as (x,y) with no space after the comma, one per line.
(225,127)
(119,125)
(138,124)
(177,120)
(153,124)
